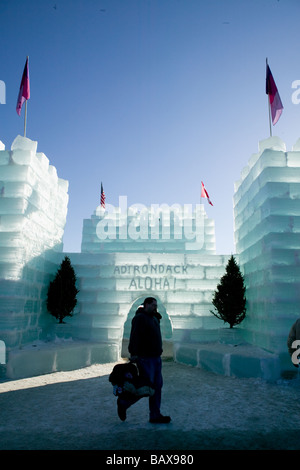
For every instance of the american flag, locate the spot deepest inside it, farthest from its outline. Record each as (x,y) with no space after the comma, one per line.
(102,198)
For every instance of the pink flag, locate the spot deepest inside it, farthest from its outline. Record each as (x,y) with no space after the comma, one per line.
(205,194)
(24,93)
(274,98)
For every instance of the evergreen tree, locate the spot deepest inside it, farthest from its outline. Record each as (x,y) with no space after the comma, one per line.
(62,291)
(229,298)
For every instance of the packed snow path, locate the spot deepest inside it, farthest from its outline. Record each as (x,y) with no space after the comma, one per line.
(77,410)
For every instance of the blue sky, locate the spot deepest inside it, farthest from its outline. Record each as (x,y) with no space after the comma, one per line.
(149,96)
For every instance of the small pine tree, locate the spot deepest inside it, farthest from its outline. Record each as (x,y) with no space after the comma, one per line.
(229,298)
(62,291)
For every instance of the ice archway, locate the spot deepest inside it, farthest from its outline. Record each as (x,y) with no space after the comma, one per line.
(166,326)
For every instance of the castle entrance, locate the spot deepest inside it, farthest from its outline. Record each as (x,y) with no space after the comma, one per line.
(165,325)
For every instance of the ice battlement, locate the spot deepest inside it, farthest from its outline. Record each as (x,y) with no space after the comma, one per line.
(33,204)
(273,152)
(157,228)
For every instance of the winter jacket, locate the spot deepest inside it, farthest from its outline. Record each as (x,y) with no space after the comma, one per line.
(145,337)
(293,335)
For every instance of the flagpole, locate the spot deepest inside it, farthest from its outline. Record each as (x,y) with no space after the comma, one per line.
(269,106)
(270,118)
(25,118)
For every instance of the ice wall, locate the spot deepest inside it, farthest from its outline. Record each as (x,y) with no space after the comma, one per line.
(132,253)
(149,229)
(33,209)
(112,284)
(267,229)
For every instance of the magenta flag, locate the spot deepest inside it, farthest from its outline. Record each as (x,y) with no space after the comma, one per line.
(24,93)
(274,98)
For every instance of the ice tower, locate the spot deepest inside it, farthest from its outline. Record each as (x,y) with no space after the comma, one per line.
(33,209)
(267,229)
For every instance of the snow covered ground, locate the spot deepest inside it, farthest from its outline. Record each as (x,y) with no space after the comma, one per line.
(77,410)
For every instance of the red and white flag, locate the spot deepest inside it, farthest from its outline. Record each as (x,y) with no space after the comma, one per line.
(102,198)
(24,93)
(204,193)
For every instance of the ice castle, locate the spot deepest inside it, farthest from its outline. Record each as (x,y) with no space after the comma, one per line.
(129,253)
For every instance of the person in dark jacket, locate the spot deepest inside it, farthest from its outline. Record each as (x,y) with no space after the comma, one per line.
(145,347)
